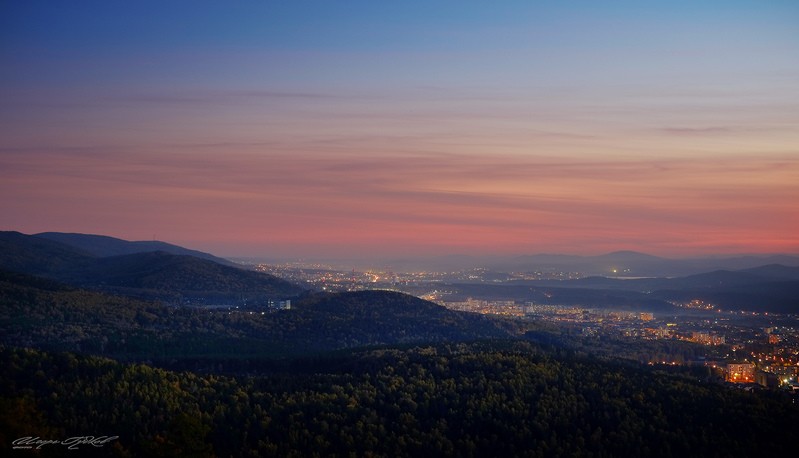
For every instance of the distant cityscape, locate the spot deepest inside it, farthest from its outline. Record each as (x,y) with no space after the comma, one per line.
(745,348)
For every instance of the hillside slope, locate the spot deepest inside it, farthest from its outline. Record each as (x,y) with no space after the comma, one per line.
(39,313)
(175,278)
(445,400)
(163,275)
(103,246)
(24,253)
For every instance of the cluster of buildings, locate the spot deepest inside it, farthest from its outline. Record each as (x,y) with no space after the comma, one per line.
(743,347)
(769,376)
(706,338)
(505,308)
(738,349)
(327,277)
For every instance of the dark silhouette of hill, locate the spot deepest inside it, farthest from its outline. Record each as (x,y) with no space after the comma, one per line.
(366,317)
(775,271)
(42,313)
(767,289)
(163,275)
(146,275)
(714,279)
(181,278)
(24,253)
(634,264)
(618,263)
(711,280)
(104,246)
(564,293)
(772,288)
(742,262)
(752,290)
(776,297)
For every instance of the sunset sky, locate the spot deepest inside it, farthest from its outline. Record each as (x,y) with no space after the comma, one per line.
(376,129)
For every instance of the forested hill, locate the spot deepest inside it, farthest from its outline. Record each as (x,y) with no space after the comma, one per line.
(164,275)
(472,400)
(104,246)
(39,313)
(24,253)
(174,278)
(367,317)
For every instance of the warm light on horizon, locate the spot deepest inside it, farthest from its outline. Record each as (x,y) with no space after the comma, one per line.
(355,138)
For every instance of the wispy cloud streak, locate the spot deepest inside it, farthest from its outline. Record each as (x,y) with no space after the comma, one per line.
(488,203)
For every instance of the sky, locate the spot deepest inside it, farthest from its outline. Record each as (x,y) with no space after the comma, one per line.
(364,129)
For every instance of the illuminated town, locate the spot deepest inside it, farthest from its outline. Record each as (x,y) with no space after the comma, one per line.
(744,348)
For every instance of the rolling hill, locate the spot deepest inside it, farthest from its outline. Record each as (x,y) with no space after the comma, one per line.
(770,288)
(163,275)
(177,278)
(41,313)
(37,256)
(103,246)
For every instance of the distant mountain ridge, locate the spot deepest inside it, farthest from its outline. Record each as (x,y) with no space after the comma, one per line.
(159,275)
(624,263)
(635,264)
(771,288)
(103,246)
(167,276)
(624,278)
(775,271)
(38,256)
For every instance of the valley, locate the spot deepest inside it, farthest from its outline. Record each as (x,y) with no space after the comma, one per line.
(204,358)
